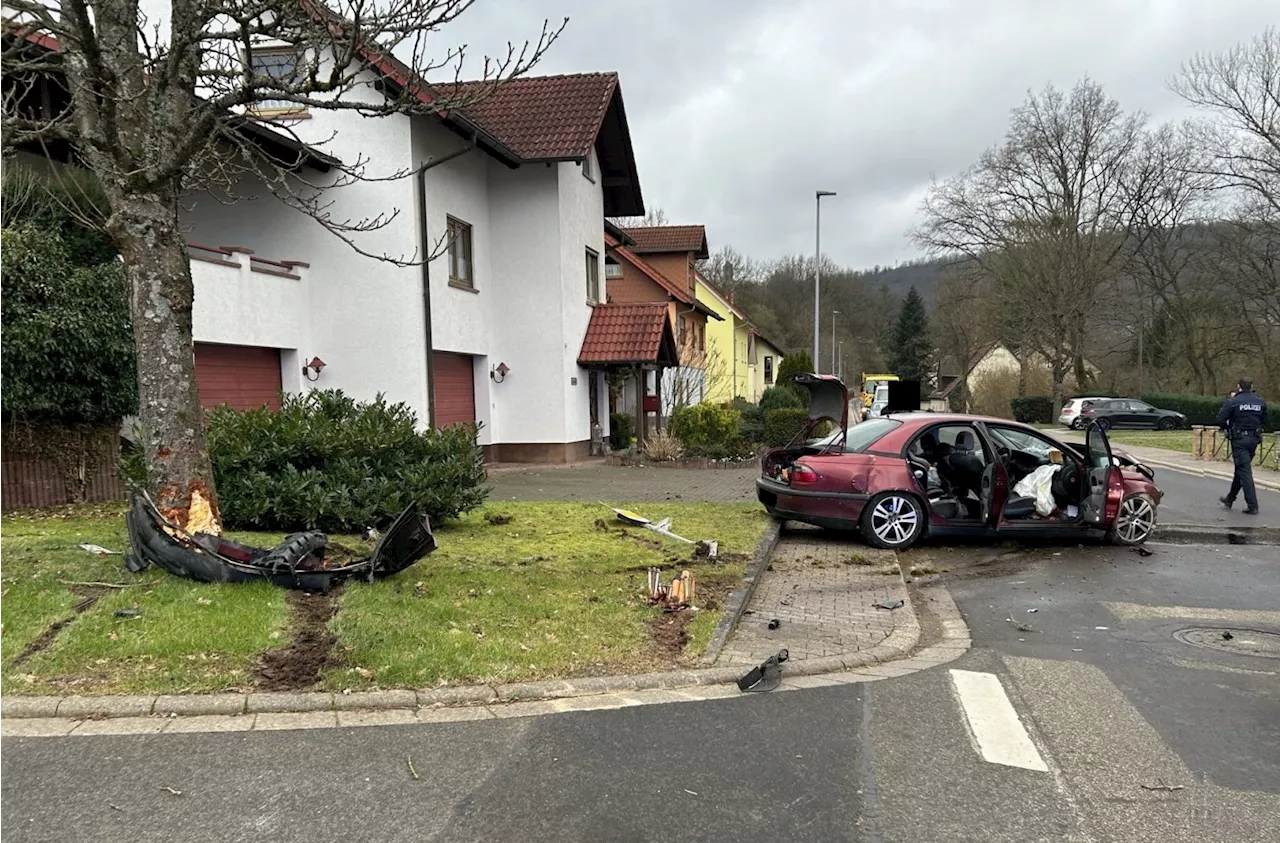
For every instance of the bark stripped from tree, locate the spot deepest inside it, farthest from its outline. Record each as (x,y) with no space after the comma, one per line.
(158,111)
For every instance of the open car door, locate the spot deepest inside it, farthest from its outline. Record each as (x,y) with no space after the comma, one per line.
(1099,466)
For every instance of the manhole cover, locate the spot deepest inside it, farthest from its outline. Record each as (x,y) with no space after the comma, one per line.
(1242,642)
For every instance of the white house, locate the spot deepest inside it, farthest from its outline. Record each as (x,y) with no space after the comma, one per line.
(516,192)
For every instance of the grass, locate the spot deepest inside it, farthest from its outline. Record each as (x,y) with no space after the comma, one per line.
(1170,440)
(549,594)
(556,592)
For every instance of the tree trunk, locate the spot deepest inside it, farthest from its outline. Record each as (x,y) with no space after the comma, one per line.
(179,472)
(1059,376)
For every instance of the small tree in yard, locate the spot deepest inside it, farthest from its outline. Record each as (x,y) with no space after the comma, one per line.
(911,352)
(157,111)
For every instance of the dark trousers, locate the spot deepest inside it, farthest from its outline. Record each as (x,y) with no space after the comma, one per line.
(1242,450)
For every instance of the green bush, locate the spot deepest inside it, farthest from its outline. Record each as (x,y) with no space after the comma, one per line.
(795,364)
(620,431)
(326,462)
(784,424)
(779,397)
(751,426)
(706,429)
(1032,409)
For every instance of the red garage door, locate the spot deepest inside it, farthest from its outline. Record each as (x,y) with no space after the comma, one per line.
(243,376)
(455,389)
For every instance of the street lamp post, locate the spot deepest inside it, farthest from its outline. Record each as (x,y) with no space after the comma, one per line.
(834,314)
(817,274)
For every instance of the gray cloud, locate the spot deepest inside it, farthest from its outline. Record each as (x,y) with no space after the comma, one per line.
(740,109)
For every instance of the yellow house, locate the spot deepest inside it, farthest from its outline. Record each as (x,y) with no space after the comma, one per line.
(739,362)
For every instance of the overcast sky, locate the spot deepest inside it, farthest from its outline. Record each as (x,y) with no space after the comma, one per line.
(740,110)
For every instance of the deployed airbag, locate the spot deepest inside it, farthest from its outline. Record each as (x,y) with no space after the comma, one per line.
(1039,485)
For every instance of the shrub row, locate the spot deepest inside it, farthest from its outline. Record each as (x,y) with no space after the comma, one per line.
(784,424)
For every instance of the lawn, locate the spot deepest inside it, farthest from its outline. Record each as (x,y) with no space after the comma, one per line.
(558,590)
(1171,440)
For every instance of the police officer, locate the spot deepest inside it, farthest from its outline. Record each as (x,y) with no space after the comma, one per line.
(1243,417)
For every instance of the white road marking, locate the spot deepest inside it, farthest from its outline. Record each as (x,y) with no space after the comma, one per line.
(1000,735)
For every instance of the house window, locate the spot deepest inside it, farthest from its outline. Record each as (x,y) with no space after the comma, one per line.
(768,369)
(280,67)
(587,170)
(460,266)
(593,276)
(612,269)
(751,349)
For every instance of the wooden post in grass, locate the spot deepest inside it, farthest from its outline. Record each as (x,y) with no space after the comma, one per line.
(1197,442)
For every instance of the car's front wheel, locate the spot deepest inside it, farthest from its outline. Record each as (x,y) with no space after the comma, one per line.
(1136,521)
(892,520)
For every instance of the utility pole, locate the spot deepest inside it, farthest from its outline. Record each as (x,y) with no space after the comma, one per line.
(834,314)
(817,275)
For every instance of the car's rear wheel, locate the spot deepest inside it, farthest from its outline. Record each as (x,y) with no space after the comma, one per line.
(1075,424)
(1136,521)
(892,520)
(1166,424)
(1104,425)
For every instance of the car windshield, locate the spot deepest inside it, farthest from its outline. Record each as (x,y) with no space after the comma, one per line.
(860,437)
(1018,441)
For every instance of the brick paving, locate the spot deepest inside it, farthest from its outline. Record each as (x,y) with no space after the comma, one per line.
(597,482)
(821,588)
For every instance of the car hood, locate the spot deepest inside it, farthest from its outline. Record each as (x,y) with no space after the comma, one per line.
(828,398)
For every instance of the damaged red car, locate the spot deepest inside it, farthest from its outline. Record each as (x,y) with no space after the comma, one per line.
(903,477)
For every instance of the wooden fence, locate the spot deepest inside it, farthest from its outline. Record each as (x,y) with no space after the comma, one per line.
(27,481)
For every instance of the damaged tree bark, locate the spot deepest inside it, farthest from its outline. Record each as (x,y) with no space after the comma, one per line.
(161,293)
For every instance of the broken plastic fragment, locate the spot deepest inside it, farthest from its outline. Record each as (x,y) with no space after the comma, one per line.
(890,603)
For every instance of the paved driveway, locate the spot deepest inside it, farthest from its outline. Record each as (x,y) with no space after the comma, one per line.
(616,484)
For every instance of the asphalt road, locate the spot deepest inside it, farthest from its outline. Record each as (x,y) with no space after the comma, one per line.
(1140,737)
(1194,500)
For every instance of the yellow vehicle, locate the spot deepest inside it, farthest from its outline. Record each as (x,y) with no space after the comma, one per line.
(871,383)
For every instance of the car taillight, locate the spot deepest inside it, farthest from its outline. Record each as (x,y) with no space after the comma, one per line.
(1087,410)
(1067,411)
(802,475)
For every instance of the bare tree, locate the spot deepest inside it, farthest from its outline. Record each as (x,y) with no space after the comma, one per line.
(651,218)
(159,108)
(728,269)
(1045,215)
(1240,91)
(962,323)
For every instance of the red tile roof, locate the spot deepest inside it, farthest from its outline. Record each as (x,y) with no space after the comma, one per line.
(677,292)
(669,238)
(628,333)
(541,117)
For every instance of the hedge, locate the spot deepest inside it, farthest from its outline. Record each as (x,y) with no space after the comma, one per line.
(1032,409)
(1201,409)
(784,424)
(328,462)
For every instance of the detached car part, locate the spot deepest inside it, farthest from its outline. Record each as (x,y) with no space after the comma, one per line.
(298,562)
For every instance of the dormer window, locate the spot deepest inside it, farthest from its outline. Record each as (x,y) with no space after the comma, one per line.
(280,65)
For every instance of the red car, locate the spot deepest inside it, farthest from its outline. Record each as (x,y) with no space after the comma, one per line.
(901,477)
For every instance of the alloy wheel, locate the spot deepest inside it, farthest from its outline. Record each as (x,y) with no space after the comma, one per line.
(895,520)
(1136,520)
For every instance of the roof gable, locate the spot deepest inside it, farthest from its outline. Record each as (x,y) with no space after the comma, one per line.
(629,333)
(670,238)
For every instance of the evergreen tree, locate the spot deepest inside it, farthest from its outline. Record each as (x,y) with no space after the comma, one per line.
(795,363)
(911,353)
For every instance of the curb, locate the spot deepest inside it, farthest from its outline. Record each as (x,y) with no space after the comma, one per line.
(737,601)
(1194,533)
(897,645)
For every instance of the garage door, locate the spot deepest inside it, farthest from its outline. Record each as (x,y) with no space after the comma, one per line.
(244,377)
(455,389)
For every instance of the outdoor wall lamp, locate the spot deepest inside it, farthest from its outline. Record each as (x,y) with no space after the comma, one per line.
(316,365)
(499,372)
